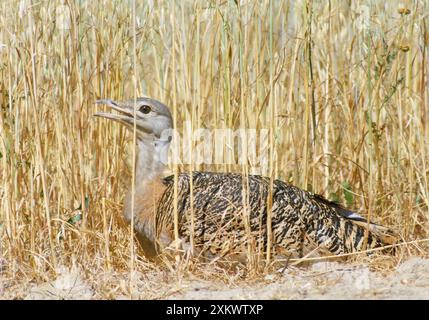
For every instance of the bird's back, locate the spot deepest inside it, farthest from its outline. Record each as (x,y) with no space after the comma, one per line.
(229,212)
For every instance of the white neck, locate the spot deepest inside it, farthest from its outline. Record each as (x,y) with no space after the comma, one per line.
(151,159)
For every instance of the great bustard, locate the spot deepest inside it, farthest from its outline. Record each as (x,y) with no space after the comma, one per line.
(300,219)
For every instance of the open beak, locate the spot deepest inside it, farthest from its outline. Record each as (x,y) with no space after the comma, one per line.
(125,116)
(125,112)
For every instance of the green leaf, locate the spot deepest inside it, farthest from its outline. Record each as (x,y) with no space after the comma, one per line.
(418,199)
(76,218)
(348,195)
(86,202)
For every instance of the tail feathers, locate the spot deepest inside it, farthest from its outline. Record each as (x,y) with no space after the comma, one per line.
(386,235)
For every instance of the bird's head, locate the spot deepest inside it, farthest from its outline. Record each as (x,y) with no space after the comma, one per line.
(152,117)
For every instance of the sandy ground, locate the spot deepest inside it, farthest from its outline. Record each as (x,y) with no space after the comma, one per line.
(326,280)
(323,280)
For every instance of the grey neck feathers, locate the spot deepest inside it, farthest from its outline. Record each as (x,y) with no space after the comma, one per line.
(151,159)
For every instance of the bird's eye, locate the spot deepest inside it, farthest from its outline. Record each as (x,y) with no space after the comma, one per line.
(145,109)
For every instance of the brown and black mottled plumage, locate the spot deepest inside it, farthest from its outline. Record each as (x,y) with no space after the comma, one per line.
(298,217)
(216,221)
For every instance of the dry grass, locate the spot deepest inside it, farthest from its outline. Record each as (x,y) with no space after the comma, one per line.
(342,89)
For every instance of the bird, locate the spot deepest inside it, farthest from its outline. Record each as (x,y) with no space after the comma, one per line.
(210,211)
